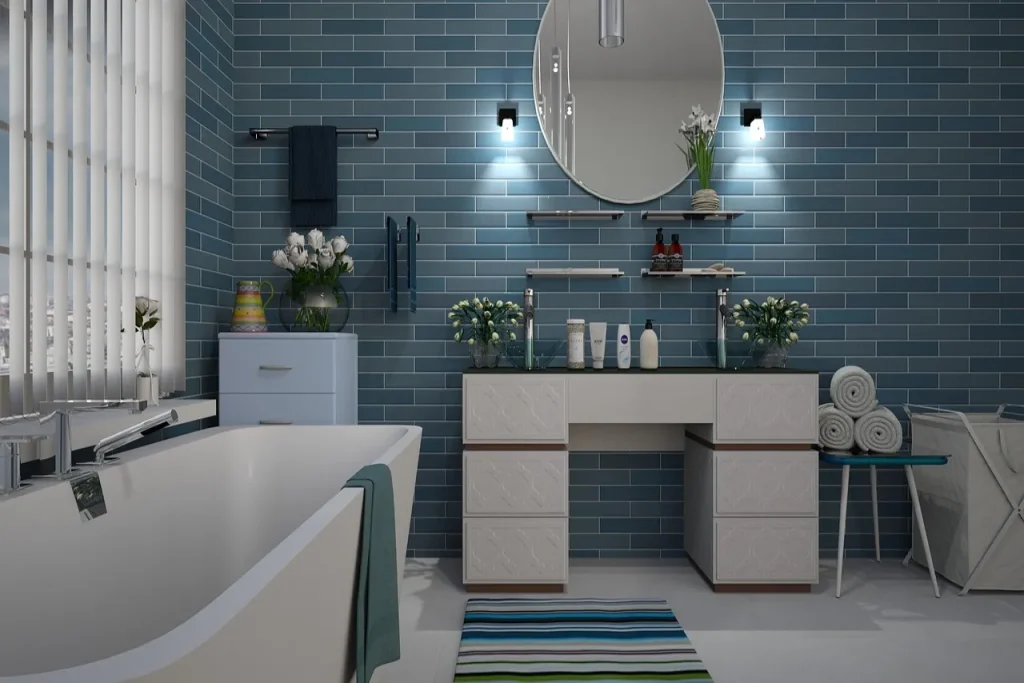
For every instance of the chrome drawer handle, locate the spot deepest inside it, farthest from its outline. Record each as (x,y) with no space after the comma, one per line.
(283,368)
(275,422)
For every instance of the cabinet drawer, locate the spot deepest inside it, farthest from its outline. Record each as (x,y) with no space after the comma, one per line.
(282,366)
(767,408)
(515,550)
(607,398)
(515,483)
(772,483)
(517,408)
(298,409)
(766,550)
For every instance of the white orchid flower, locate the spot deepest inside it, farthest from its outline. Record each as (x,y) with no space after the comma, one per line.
(512,336)
(350,264)
(315,239)
(494,336)
(793,336)
(325,257)
(339,244)
(280,259)
(295,240)
(772,321)
(740,323)
(471,341)
(746,336)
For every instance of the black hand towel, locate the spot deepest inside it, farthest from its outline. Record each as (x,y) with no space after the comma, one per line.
(313,171)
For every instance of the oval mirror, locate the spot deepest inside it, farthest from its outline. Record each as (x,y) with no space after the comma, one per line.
(614,79)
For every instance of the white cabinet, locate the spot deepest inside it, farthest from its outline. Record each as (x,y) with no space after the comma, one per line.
(766,408)
(515,517)
(514,408)
(285,379)
(752,516)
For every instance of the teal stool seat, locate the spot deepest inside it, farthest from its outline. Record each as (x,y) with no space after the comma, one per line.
(907,462)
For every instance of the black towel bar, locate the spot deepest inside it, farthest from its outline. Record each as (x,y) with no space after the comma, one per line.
(264,133)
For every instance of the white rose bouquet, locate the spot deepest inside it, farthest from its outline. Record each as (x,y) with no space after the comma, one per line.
(481,321)
(774,322)
(314,262)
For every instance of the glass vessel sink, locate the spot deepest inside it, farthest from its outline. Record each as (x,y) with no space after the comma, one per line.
(544,352)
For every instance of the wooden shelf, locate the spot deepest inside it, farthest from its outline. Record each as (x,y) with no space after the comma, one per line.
(574,215)
(574,272)
(689,272)
(690,215)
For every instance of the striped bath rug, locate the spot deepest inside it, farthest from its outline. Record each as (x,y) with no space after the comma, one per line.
(518,640)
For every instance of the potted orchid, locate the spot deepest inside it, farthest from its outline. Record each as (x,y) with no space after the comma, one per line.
(315,264)
(699,133)
(147,383)
(772,326)
(484,325)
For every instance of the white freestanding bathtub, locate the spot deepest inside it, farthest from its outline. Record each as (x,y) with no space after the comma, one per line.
(225,556)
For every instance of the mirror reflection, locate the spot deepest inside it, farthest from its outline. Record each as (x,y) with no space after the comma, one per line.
(614,79)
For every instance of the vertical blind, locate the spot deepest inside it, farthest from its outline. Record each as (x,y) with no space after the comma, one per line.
(96,215)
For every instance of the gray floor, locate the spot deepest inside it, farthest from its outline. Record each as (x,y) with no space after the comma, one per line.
(887,627)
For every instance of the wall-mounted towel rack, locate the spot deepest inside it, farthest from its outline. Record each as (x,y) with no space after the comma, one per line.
(573,214)
(264,133)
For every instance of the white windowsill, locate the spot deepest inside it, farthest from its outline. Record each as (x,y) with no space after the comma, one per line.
(88,429)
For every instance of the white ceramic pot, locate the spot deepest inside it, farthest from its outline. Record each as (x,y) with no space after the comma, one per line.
(148,389)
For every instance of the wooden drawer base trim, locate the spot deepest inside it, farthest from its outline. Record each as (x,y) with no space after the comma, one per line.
(752,587)
(515,588)
(750,446)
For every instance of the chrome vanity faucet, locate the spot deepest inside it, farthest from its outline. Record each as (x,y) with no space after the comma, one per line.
(721,317)
(529,303)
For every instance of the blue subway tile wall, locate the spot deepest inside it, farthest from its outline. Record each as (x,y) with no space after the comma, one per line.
(209,182)
(887,194)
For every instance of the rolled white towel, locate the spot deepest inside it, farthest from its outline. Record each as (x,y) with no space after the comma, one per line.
(853,391)
(835,428)
(878,432)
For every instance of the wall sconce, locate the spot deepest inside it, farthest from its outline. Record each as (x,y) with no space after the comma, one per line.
(508,119)
(751,113)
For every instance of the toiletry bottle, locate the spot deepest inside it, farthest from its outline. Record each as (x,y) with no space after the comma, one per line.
(659,255)
(624,351)
(675,255)
(649,347)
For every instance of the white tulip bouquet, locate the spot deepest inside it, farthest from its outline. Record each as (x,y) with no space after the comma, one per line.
(145,320)
(699,132)
(482,321)
(314,262)
(774,322)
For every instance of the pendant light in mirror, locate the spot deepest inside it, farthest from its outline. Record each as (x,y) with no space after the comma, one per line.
(612,23)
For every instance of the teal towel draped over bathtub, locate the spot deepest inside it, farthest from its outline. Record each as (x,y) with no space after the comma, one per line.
(377,630)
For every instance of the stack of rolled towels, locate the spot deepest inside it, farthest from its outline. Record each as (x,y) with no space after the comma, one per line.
(855,418)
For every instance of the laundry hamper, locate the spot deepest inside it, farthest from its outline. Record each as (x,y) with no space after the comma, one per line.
(974,507)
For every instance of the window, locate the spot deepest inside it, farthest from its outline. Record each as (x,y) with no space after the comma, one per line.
(91,95)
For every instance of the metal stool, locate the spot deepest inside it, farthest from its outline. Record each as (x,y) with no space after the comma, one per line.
(907,462)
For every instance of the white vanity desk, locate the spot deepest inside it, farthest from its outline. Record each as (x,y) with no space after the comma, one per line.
(750,484)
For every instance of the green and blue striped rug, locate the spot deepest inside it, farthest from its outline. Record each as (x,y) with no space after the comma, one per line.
(527,640)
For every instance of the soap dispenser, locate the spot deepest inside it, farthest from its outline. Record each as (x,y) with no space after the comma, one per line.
(649,347)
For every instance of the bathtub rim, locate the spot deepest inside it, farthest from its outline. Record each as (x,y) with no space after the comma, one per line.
(185,638)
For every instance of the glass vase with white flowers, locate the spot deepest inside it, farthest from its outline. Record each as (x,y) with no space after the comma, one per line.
(699,133)
(772,326)
(315,264)
(484,325)
(146,381)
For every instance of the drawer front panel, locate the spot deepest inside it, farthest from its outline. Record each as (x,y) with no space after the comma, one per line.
(515,550)
(769,483)
(518,408)
(767,408)
(607,398)
(766,550)
(277,409)
(264,366)
(516,483)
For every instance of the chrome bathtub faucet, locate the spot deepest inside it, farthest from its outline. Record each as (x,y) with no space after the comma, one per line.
(14,432)
(62,411)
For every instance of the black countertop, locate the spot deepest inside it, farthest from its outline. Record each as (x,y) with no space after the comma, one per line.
(668,370)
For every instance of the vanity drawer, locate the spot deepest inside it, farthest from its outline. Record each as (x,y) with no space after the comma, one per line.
(515,483)
(514,408)
(772,408)
(766,550)
(669,398)
(287,409)
(281,366)
(773,483)
(515,550)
